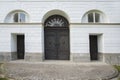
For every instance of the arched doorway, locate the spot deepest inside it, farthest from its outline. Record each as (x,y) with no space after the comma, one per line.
(56,36)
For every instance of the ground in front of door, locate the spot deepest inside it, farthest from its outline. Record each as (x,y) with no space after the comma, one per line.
(58,70)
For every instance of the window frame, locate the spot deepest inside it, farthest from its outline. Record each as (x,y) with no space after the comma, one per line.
(102,17)
(19,17)
(94,17)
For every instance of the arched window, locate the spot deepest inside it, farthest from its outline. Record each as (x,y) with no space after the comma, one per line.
(93,17)
(56,21)
(17,17)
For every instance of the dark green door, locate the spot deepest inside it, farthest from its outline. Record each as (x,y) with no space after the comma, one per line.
(20,47)
(93,47)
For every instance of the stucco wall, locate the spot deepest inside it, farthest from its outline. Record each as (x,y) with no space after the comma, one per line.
(79,37)
(74,9)
(33,37)
(108,40)
(38,10)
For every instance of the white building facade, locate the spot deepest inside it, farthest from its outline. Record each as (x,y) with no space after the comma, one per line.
(73,30)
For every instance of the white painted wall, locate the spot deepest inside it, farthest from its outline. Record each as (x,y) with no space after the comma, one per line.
(79,37)
(100,42)
(109,41)
(13,42)
(75,9)
(5,40)
(33,37)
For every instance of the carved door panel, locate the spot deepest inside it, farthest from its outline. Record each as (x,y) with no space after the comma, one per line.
(63,48)
(50,44)
(57,43)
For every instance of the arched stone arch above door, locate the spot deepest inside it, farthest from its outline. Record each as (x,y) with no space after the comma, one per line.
(56,21)
(55,12)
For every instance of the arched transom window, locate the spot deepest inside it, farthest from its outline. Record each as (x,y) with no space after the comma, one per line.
(93,17)
(56,21)
(19,17)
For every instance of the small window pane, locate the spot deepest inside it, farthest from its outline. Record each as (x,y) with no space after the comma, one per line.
(22,17)
(97,17)
(16,17)
(90,17)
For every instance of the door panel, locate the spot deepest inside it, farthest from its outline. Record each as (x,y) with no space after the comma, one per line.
(20,46)
(50,44)
(93,47)
(63,40)
(57,43)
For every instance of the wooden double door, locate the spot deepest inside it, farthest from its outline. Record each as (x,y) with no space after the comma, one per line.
(57,43)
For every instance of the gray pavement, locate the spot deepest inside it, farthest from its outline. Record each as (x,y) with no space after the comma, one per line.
(59,70)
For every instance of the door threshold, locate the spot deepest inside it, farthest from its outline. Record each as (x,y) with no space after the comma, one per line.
(57,61)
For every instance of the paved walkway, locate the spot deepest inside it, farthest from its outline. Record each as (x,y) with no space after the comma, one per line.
(58,70)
